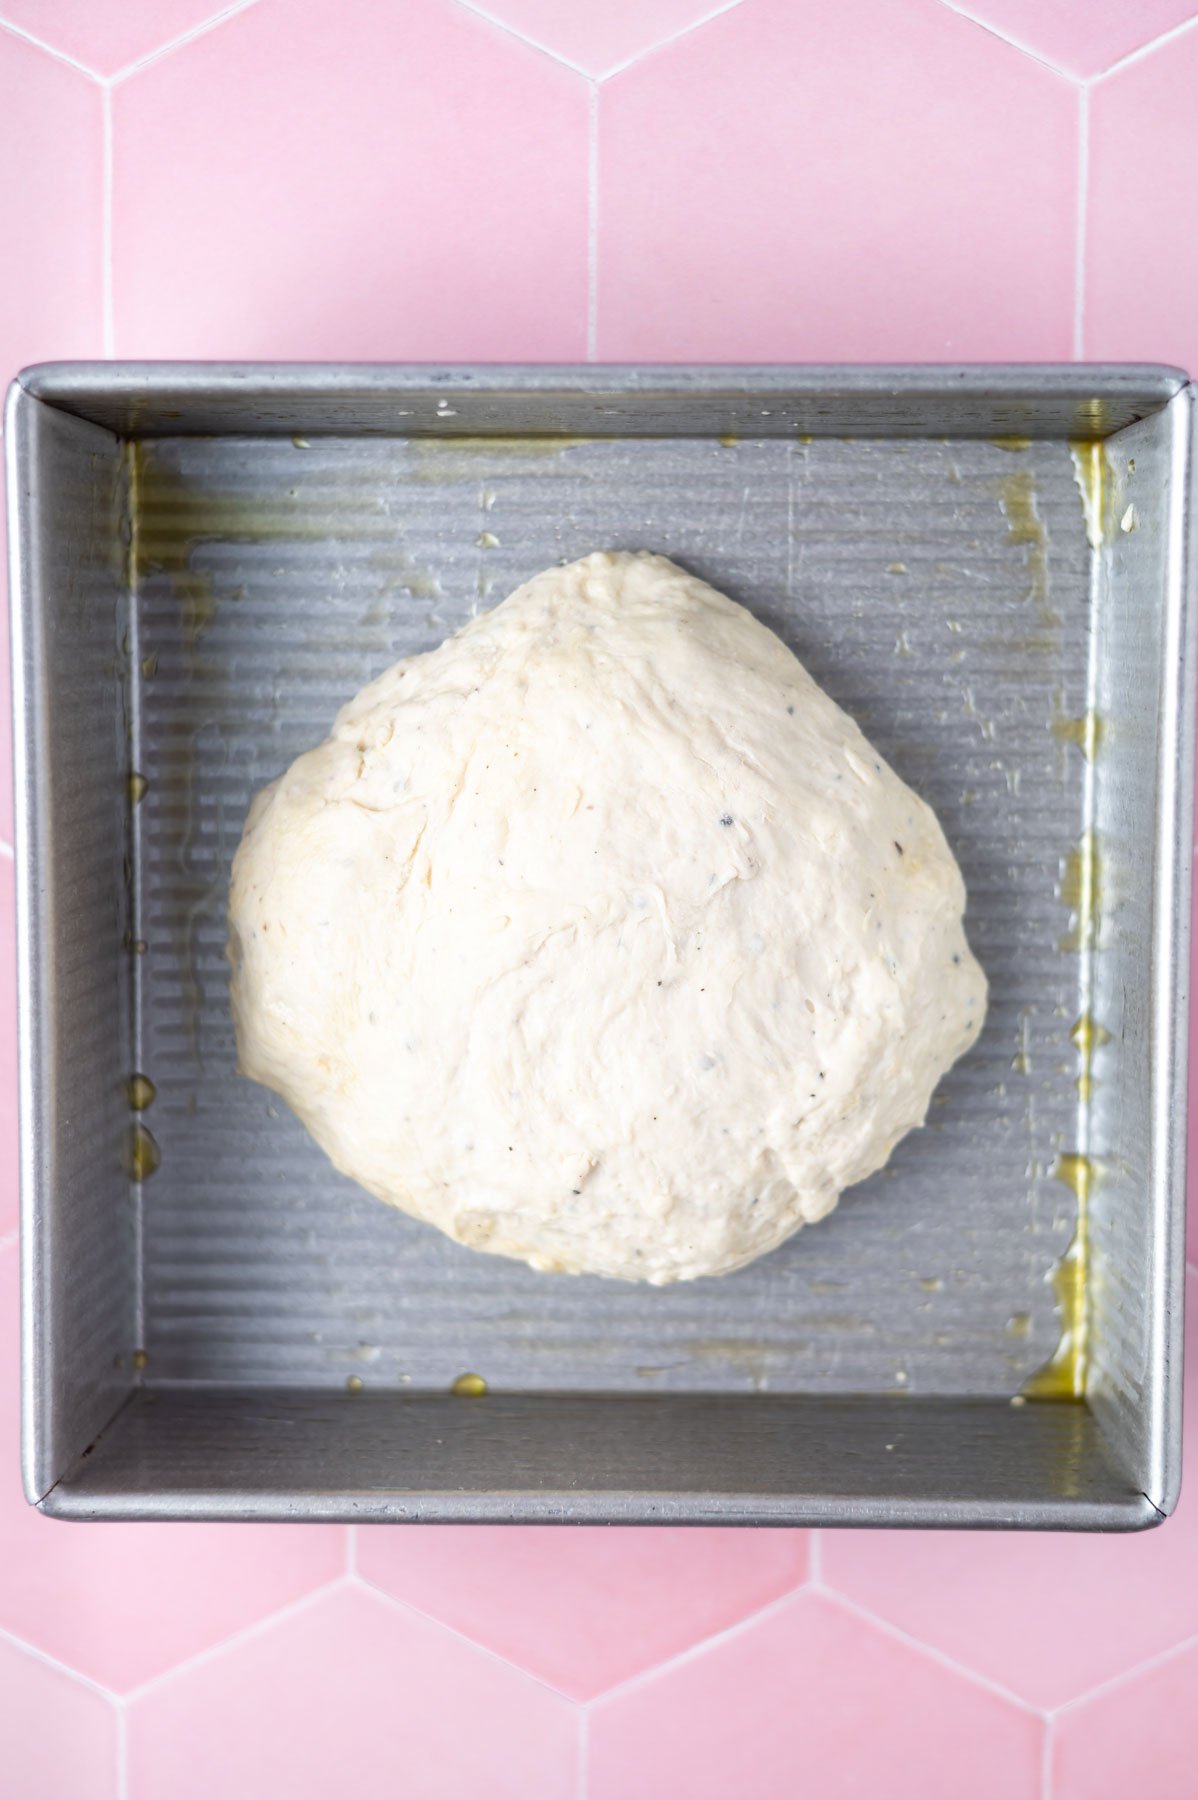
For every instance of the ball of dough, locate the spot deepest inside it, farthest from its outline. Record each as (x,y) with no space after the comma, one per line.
(600,937)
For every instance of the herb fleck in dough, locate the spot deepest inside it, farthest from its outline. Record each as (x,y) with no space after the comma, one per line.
(600,937)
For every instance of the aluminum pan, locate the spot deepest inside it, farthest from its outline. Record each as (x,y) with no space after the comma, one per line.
(907,575)
(974,402)
(695,1459)
(1062,400)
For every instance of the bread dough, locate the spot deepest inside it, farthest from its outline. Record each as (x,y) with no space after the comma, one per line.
(600,936)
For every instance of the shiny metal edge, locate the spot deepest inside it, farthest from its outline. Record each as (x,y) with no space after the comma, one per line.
(566,1507)
(147,398)
(237,1453)
(1170,959)
(36,1471)
(61,1401)
(57,382)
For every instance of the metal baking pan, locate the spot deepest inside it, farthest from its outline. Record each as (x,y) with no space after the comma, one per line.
(990,567)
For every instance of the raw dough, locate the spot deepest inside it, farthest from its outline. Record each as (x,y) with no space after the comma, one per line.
(600,936)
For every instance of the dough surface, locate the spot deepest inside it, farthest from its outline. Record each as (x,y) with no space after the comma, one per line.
(600,937)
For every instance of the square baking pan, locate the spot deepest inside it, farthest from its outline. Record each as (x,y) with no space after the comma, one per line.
(991,568)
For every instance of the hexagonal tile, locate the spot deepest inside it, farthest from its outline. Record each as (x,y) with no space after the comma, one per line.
(122,1603)
(811,1700)
(1082,39)
(107,35)
(50,208)
(1047,1615)
(316,180)
(598,38)
(584,1608)
(1141,1737)
(1141,270)
(57,1736)
(9,1171)
(851,189)
(352,1695)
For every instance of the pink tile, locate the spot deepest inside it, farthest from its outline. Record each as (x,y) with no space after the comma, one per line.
(1141,1738)
(57,1737)
(107,35)
(352,1696)
(9,1172)
(600,35)
(583,1607)
(317,180)
(1049,1616)
(849,189)
(812,1701)
(50,205)
(1142,270)
(1087,37)
(124,1602)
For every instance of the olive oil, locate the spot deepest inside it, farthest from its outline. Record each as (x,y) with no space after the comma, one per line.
(469,1385)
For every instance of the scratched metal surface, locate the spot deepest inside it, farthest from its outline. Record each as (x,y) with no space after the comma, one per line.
(939,590)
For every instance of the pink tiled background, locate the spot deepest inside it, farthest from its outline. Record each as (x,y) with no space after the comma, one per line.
(612,179)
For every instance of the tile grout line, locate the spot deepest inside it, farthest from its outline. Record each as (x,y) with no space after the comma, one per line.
(1013,43)
(235,1639)
(728,1632)
(717,12)
(1143,50)
(122,1754)
(409,1607)
(1083,213)
(584,1752)
(815,1558)
(974,1676)
(593,222)
(239,6)
(351,1549)
(1046,1762)
(510,31)
(106,223)
(60,1668)
(177,43)
(6,849)
(1114,1682)
(618,68)
(37,43)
